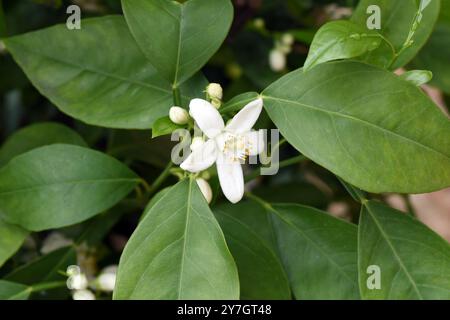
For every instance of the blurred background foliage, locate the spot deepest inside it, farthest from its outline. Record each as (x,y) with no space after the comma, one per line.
(242,64)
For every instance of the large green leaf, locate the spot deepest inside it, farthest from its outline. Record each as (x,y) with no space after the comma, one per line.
(261,274)
(97,74)
(397,19)
(318,251)
(178,252)
(60,185)
(178,39)
(13,291)
(414,262)
(48,268)
(11,239)
(386,136)
(341,40)
(37,135)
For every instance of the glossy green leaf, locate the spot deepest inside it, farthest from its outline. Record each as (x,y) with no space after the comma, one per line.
(435,57)
(318,251)
(293,192)
(238,102)
(154,200)
(164,126)
(97,74)
(387,136)
(397,23)
(417,77)
(178,39)
(62,185)
(413,261)
(13,291)
(137,145)
(11,238)
(178,252)
(261,274)
(340,40)
(37,135)
(47,268)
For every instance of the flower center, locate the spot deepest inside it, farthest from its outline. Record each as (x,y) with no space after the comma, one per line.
(236,147)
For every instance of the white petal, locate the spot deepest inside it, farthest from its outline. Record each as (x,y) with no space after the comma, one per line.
(201,158)
(207,117)
(245,119)
(205,188)
(231,179)
(255,140)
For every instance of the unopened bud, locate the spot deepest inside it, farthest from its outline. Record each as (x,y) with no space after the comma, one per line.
(287,39)
(73,270)
(106,282)
(205,189)
(83,295)
(178,115)
(214,91)
(277,60)
(77,282)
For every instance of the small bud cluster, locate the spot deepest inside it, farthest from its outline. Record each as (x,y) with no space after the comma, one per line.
(83,288)
(277,56)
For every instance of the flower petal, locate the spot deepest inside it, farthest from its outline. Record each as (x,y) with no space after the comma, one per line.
(245,119)
(231,178)
(206,116)
(201,158)
(255,141)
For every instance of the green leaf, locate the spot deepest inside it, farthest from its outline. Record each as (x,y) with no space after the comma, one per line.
(47,268)
(238,102)
(11,239)
(97,74)
(178,252)
(13,291)
(154,200)
(387,136)
(60,185)
(340,40)
(318,251)
(434,56)
(137,145)
(397,25)
(417,77)
(164,126)
(414,262)
(261,274)
(178,39)
(37,135)
(293,192)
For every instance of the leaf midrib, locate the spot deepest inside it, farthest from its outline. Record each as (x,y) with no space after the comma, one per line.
(311,241)
(337,114)
(186,227)
(43,186)
(93,70)
(394,251)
